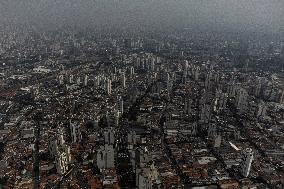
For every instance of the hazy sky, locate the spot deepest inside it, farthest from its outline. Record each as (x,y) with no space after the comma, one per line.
(255,15)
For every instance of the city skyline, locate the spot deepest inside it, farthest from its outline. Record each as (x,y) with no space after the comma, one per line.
(149,94)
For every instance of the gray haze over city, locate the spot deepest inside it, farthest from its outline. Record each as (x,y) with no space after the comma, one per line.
(238,15)
(142,94)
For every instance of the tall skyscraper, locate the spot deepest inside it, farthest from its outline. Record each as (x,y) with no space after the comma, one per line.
(71,79)
(123,80)
(86,79)
(212,130)
(61,162)
(109,136)
(61,79)
(196,73)
(131,139)
(187,106)
(261,112)
(282,55)
(132,71)
(205,114)
(119,104)
(60,136)
(241,100)
(75,132)
(281,100)
(152,64)
(108,86)
(97,81)
(105,157)
(217,141)
(246,162)
(78,81)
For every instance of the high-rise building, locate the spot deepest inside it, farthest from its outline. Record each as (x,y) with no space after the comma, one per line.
(131,139)
(55,143)
(261,112)
(211,130)
(61,152)
(75,132)
(109,136)
(257,89)
(120,104)
(241,100)
(53,147)
(217,141)
(96,120)
(61,79)
(112,118)
(78,81)
(109,88)
(194,129)
(187,106)
(220,101)
(196,73)
(208,81)
(246,161)
(105,157)
(97,81)
(153,64)
(61,162)
(205,114)
(117,116)
(142,157)
(232,89)
(123,80)
(144,181)
(86,78)
(60,136)
(71,79)
(281,100)
(282,55)
(169,83)
(132,71)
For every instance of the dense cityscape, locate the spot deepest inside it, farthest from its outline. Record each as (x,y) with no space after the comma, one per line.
(111,109)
